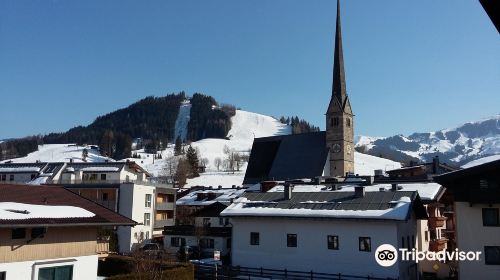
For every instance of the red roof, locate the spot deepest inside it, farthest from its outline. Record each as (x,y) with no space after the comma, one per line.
(58,196)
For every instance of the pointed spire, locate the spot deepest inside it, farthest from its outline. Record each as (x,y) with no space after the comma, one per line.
(338,87)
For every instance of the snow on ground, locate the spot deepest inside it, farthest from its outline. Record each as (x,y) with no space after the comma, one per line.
(366,164)
(61,153)
(245,127)
(181,123)
(21,211)
(481,161)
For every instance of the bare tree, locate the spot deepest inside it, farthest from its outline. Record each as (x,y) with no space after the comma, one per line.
(170,167)
(218,163)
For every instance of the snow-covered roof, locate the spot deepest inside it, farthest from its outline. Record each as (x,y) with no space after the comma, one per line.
(20,169)
(245,207)
(22,211)
(481,161)
(221,195)
(100,169)
(426,191)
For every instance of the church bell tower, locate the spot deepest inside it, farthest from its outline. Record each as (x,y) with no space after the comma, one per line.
(339,116)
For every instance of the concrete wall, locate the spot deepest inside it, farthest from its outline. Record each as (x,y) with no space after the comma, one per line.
(84,267)
(473,236)
(312,252)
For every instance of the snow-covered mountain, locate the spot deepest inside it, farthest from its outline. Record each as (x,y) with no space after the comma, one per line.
(62,153)
(245,127)
(457,146)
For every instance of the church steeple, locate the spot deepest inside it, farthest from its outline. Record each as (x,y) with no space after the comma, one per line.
(338,86)
(339,116)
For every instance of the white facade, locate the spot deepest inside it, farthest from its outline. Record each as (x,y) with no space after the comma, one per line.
(312,252)
(472,235)
(133,205)
(84,268)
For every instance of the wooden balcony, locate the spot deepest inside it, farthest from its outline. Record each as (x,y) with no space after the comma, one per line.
(102,248)
(435,222)
(437,245)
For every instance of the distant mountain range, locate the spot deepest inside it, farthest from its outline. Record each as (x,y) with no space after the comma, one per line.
(455,146)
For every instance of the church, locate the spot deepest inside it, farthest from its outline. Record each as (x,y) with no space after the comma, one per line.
(309,155)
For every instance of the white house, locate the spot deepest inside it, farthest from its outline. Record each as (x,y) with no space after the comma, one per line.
(123,187)
(326,232)
(476,205)
(48,231)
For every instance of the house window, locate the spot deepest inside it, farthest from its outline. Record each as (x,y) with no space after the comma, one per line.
(147,202)
(491,217)
(348,122)
(228,243)
(4,177)
(492,255)
(105,196)
(333,242)
(426,235)
(11,177)
(147,219)
(291,240)
(331,121)
(93,177)
(336,121)
(254,238)
(18,233)
(56,273)
(365,244)
(177,242)
(221,221)
(103,177)
(3,275)
(207,243)
(38,232)
(206,222)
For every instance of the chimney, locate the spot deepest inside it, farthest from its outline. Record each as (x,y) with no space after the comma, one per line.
(435,164)
(219,187)
(287,191)
(359,191)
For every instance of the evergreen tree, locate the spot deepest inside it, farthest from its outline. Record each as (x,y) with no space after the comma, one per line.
(193,161)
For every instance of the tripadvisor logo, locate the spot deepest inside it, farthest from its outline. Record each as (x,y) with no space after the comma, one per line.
(386,255)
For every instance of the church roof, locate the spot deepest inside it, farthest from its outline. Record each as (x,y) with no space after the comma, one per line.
(287,157)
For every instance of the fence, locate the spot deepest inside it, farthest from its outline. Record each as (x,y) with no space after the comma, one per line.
(204,271)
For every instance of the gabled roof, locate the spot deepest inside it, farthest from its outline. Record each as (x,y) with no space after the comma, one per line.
(449,178)
(396,205)
(57,196)
(287,157)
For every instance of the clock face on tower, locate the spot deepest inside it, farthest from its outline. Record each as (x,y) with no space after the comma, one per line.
(336,148)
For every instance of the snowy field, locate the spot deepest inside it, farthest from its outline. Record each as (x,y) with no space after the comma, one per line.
(61,153)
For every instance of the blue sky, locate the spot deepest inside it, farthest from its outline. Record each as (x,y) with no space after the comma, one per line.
(410,65)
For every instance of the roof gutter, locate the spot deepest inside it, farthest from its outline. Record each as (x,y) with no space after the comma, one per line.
(65,225)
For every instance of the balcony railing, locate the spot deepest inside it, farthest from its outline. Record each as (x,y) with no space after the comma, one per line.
(165,206)
(437,245)
(102,247)
(435,222)
(160,224)
(106,182)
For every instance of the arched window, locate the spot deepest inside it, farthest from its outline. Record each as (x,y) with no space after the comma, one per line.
(331,121)
(348,122)
(336,121)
